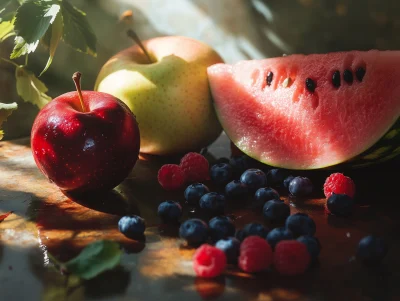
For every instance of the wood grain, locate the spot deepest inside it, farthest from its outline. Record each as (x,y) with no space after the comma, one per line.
(46,220)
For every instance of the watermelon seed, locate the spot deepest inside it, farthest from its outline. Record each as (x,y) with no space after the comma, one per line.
(348,76)
(310,85)
(286,82)
(270,76)
(336,78)
(360,72)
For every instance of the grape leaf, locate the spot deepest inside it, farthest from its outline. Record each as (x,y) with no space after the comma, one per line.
(32,20)
(77,31)
(56,30)
(5,111)
(30,88)
(96,258)
(6,30)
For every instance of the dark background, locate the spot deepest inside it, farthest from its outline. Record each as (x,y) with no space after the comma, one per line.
(237,29)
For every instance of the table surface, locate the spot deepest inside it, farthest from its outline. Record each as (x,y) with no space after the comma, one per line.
(45,220)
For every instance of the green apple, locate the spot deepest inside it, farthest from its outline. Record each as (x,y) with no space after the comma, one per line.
(165,85)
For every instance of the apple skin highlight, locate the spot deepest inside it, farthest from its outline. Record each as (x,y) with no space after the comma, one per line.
(170,97)
(85,151)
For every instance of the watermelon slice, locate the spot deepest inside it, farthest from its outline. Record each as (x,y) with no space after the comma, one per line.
(312,111)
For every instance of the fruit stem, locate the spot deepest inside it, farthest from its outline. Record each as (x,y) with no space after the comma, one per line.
(135,37)
(77,80)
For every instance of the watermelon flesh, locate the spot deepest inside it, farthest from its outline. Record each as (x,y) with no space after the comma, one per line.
(285,124)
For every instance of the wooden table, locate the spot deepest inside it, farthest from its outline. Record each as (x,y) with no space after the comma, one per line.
(45,220)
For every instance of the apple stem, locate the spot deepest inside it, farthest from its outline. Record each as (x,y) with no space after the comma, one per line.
(135,37)
(76,77)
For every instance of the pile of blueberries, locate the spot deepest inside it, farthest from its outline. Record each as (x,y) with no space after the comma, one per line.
(235,181)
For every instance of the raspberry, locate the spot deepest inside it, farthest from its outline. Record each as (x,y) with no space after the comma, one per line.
(209,261)
(195,167)
(255,254)
(339,184)
(171,177)
(291,257)
(253,242)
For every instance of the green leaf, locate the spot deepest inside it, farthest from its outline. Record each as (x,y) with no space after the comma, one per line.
(77,31)
(6,30)
(22,47)
(4,3)
(6,15)
(30,88)
(56,31)
(32,20)
(5,111)
(94,259)
(7,9)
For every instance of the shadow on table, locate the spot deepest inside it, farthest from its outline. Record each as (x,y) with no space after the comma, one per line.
(111,202)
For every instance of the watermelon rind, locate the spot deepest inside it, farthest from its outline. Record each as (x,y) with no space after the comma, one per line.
(386,149)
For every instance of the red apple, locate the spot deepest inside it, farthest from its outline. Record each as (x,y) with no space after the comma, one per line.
(85,140)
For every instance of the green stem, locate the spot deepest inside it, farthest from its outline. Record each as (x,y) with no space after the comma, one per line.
(54,260)
(26,60)
(10,62)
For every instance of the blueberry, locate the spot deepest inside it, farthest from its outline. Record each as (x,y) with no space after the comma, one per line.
(213,203)
(254,179)
(221,227)
(194,192)
(340,204)
(231,248)
(300,186)
(194,231)
(239,165)
(250,230)
(221,174)
(276,211)
(263,195)
(132,226)
(169,211)
(236,190)
(286,181)
(278,234)
(372,249)
(276,176)
(300,224)
(313,245)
